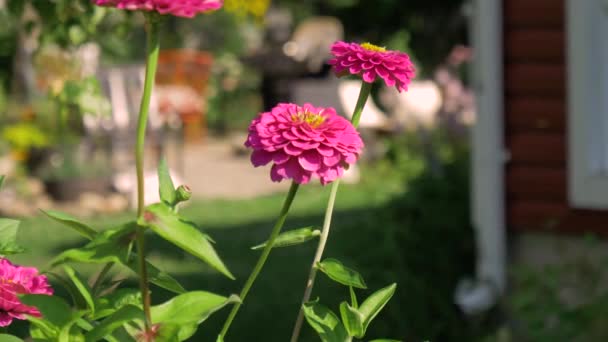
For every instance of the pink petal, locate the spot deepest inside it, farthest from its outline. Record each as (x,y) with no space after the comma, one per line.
(310,161)
(333,160)
(260,157)
(292,150)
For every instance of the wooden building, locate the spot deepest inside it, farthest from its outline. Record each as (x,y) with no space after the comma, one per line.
(540,143)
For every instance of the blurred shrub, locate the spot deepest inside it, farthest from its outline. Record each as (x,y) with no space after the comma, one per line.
(437,249)
(233,94)
(562,301)
(24,136)
(431,28)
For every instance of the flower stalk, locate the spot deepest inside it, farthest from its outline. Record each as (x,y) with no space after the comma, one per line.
(362,99)
(262,260)
(153,48)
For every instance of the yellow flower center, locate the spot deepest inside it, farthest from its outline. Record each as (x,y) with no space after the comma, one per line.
(372,47)
(6,281)
(312,119)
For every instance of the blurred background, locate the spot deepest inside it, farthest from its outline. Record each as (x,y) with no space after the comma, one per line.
(71,75)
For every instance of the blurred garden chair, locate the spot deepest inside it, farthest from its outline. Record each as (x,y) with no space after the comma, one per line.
(123,85)
(181,84)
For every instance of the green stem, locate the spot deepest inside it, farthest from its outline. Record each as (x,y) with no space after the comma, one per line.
(153,47)
(363,95)
(262,260)
(318,255)
(366,88)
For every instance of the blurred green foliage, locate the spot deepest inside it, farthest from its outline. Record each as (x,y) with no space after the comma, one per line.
(431,225)
(427,28)
(24,136)
(563,300)
(417,217)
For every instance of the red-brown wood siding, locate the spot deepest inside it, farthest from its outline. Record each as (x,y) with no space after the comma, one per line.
(535,121)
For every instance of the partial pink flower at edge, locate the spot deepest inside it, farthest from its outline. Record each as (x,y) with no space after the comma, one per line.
(14,281)
(370,62)
(303,142)
(179,8)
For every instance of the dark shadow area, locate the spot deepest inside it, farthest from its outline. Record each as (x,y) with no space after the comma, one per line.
(421,240)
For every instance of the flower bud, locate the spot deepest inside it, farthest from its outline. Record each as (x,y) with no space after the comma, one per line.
(183,193)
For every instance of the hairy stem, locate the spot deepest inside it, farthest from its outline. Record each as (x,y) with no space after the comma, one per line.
(262,260)
(153,47)
(363,95)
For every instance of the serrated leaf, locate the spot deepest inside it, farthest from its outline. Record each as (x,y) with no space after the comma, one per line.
(72,222)
(166,189)
(337,272)
(352,320)
(292,237)
(189,309)
(83,288)
(8,237)
(9,338)
(324,322)
(184,234)
(374,304)
(126,314)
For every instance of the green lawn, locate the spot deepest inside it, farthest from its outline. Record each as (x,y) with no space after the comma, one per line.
(359,238)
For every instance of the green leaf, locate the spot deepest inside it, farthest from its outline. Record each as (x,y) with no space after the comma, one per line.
(353,298)
(55,311)
(112,246)
(111,303)
(9,338)
(71,222)
(126,314)
(292,237)
(352,319)
(166,223)
(2,180)
(374,303)
(169,333)
(385,340)
(83,288)
(158,277)
(107,246)
(8,237)
(68,333)
(189,309)
(166,188)
(336,271)
(324,322)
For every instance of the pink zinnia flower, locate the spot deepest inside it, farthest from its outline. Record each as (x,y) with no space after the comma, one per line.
(303,142)
(371,61)
(180,8)
(14,281)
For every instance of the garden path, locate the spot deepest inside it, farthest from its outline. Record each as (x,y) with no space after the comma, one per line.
(220,168)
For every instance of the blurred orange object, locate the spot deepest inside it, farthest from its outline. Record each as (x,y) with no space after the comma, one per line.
(181,83)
